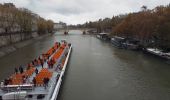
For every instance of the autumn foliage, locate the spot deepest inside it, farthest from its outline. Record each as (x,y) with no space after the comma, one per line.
(151,27)
(22,21)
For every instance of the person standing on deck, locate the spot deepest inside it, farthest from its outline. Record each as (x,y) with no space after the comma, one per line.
(52,62)
(36,71)
(33,63)
(56,45)
(48,56)
(69,44)
(28,66)
(59,44)
(39,58)
(16,70)
(6,81)
(21,69)
(53,50)
(45,81)
(24,79)
(49,64)
(39,61)
(34,81)
(42,62)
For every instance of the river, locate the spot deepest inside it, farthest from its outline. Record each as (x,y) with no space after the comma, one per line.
(99,71)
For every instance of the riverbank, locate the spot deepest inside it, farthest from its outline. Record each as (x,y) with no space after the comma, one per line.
(134,44)
(5,50)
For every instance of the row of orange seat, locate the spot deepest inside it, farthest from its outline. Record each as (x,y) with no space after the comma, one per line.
(44,73)
(18,78)
(50,51)
(60,51)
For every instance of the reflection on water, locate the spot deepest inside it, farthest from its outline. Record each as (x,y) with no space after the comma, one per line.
(98,71)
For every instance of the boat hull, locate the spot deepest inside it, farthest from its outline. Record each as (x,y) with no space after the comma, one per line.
(56,90)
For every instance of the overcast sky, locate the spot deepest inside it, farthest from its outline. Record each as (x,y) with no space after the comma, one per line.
(80,11)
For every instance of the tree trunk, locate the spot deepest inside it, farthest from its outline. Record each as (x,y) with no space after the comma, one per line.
(21,36)
(10,38)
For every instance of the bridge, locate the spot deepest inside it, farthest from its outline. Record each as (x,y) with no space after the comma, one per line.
(82,30)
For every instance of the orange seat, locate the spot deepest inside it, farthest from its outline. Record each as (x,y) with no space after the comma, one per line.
(18,78)
(44,73)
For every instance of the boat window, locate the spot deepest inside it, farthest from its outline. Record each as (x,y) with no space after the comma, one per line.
(29,96)
(40,96)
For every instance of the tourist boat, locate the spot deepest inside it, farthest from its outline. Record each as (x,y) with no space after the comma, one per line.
(43,84)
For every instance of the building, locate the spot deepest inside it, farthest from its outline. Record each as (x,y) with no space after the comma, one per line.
(9,5)
(59,25)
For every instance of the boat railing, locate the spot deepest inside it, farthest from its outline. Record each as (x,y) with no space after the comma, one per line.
(55,93)
(53,82)
(9,88)
(54,79)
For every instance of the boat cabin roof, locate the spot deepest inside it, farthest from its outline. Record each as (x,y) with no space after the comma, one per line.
(103,33)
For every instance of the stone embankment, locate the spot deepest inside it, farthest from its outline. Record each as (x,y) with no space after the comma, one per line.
(6,48)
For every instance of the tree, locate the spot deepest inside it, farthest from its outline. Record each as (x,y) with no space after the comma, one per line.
(50,26)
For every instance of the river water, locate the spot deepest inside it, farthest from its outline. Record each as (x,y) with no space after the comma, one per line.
(99,71)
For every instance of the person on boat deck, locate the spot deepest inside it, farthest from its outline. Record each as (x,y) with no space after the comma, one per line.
(16,70)
(58,76)
(59,44)
(53,50)
(59,66)
(69,44)
(49,64)
(24,78)
(42,62)
(21,69)
(2,83)
(34,81)
(33,63)
(48,56)
(28,66)
(36,71)
(39,58)
(45,81)
(52,62)
(6,82)
(56,44)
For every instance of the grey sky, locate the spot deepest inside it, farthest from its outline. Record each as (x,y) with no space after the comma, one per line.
(80,11)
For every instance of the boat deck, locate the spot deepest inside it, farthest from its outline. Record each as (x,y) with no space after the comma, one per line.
(59,57)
